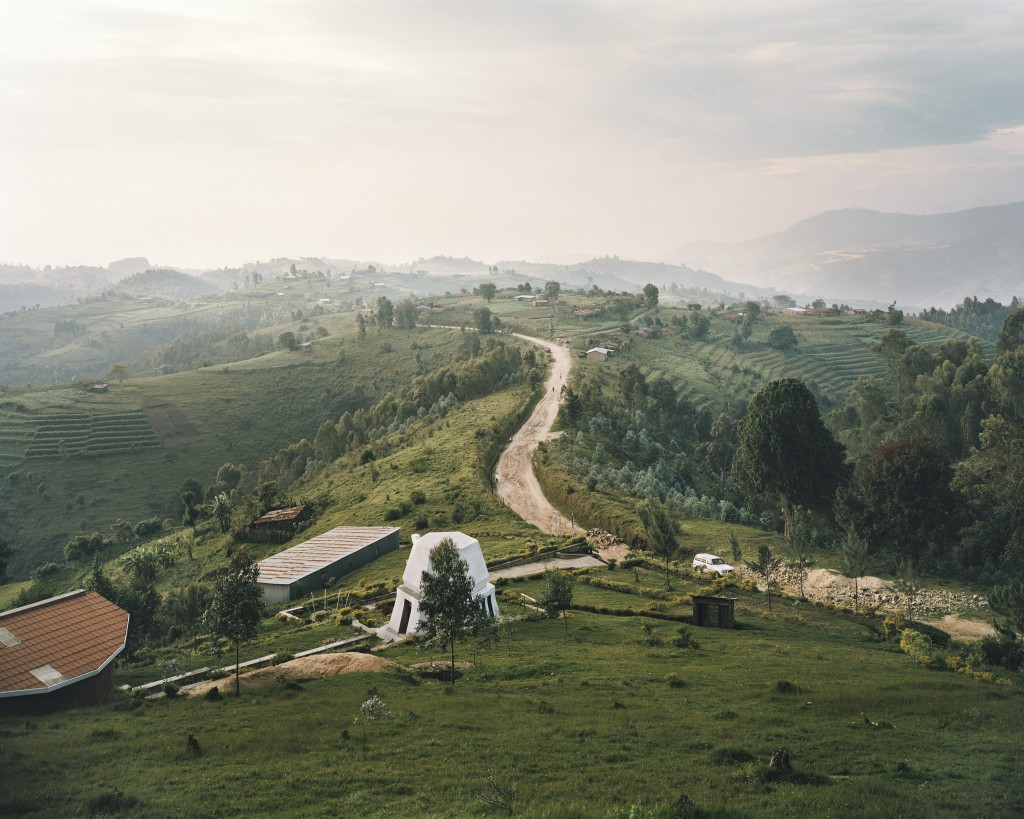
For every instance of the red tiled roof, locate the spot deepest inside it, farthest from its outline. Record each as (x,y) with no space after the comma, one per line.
(77,634)
(281,515)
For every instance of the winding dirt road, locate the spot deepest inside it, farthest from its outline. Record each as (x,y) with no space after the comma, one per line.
(517,484)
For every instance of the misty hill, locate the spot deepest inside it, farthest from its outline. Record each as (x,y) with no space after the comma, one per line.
(868,255)
(168,284)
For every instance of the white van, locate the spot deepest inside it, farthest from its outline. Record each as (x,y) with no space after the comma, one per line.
(711,563)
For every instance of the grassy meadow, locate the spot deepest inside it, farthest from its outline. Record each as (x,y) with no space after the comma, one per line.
(606,720)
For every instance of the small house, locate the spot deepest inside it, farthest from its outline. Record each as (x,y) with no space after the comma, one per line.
(311,564)
(59,653)
(405,616)
(714,612)
(598,354)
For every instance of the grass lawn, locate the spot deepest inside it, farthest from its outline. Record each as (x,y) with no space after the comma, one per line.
(593,723)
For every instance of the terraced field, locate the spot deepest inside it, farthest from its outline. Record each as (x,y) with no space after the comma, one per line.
(76,434)
(831,355)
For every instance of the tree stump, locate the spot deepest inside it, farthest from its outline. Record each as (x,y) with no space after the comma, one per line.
(780,760)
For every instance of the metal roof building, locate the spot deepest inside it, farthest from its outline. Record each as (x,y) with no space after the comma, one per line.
(310,565)
(59,652)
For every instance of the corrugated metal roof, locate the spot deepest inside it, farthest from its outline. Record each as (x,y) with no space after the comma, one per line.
(281,515)
(61,639)
(319,552)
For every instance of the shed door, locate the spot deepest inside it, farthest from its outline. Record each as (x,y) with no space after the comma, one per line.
(403,626)
(713,614)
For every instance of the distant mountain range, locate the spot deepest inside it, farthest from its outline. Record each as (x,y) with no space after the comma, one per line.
(856,254)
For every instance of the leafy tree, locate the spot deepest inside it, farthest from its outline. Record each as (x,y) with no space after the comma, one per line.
(700,326)
(237,605)
(385,314)
(287,341)
(855,559)
(557,597)
(734,546)
(782,300)
(660,531)
(372,713)
(6,551)
(482,320)
(360,326)
(1008,600)
(122,531)
(405,314)
(446,599)
(552,290)
(782,337)
(901,501)
(190,505)
(651,295)
(487,290)
(187,608)
(118,371)
(767,567)
(229,476)
(1011,336)
(786,453)
(716,454)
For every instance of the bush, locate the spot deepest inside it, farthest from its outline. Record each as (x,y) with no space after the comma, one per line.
(171,689)
(914,644)
(212,694)
(282,658)
(417,497)
(44,570)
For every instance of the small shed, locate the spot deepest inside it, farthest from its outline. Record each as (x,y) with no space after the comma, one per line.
(279,525)
(598,353)
(405,616)
(311,564)
(714,612)
(59,652)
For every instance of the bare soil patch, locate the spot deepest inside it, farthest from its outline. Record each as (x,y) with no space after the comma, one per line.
(303,668)
(171,425)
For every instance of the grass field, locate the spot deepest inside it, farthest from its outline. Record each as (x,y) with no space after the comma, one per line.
(603,721)
(113,464)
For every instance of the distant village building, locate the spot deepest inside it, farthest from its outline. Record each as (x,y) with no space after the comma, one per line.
(598,353)
(405,617)
(59,653)
(310,565)
(524,298)
(279,525)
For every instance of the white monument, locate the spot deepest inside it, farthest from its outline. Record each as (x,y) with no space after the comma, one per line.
(406,615)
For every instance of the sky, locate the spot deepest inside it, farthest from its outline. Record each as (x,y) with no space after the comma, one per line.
(208,133)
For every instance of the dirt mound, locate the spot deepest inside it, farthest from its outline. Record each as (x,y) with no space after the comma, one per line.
(304,668)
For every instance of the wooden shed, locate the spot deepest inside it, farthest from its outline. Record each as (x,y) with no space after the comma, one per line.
(714,612)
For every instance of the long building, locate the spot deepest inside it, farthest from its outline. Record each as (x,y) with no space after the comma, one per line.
(310,565)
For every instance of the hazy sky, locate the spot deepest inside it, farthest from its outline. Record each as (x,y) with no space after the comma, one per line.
(206,133)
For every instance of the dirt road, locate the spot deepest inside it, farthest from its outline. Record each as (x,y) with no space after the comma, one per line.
(517,485)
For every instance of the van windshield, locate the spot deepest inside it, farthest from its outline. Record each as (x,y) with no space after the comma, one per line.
(715,561)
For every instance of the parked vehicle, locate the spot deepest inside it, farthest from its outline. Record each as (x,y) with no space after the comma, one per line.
(711,563)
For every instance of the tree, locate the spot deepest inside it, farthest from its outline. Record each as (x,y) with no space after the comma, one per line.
(557,597)
(782,300)
(118,371)
(908,584)
(229,476)
(190,507)
(482,320)
(782,337)
(446,599)
(122,531)
(766,566)
(799,546)
(660,531)
(287,341)
(405,315)
(1008,601)
(360,326)
(785,452)
(1011,336)
(221,509)
(487,290)
(385,314)
(552,290)
(651,295)
(901,501)
(854,561)
(188,607)
(6,551)
(372,713)
(237,605)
